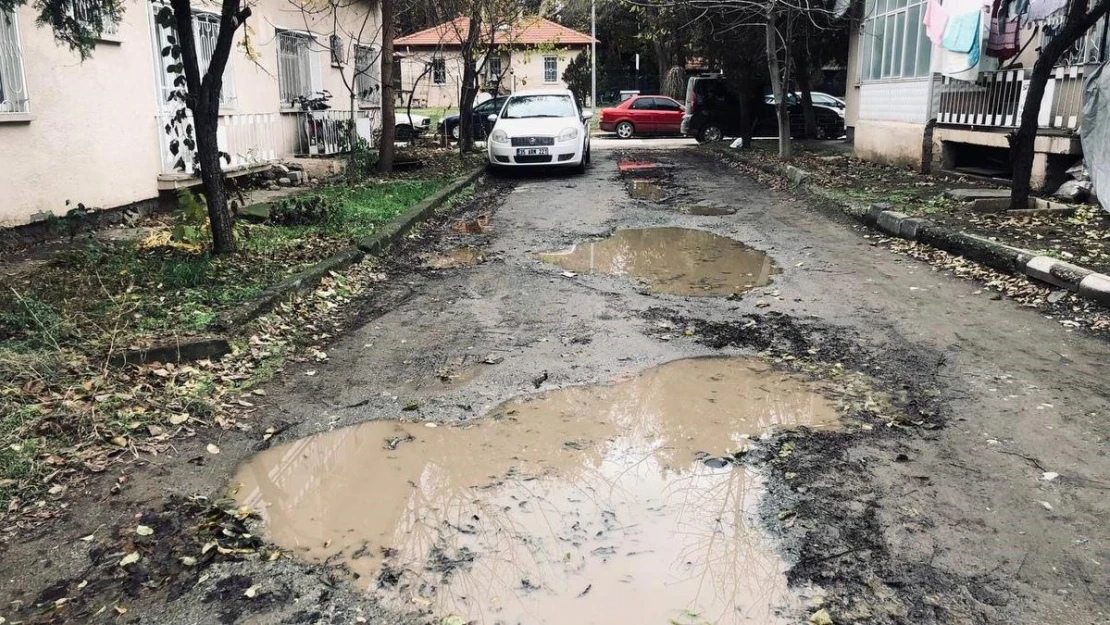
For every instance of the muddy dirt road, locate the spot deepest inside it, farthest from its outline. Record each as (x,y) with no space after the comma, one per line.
(709,403)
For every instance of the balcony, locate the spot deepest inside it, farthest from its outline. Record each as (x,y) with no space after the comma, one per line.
(251,140)
(997,98)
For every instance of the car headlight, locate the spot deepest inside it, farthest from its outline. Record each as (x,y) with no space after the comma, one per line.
(568,134)
(499,136)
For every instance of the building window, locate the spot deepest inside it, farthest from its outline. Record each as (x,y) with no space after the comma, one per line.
(368,78)
(206,29)
(494,66)
(439,71)
(298,67)
(893,43)
(88,14)
(550,69)
(13,89)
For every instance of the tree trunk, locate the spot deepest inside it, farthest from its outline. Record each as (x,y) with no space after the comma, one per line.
(662,60)
(778,78)
(1023,140)
(212,180)
(389,117)
(802,76)
(203,99)
(352,136)
(469,86)
(751,98)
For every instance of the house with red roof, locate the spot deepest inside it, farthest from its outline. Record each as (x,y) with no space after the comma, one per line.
(531,53)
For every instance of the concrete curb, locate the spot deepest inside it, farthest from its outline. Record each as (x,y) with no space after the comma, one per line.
(1079,280)
(374,245)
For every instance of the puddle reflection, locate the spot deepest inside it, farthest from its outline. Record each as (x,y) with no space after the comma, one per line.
(582,505)
(676,261)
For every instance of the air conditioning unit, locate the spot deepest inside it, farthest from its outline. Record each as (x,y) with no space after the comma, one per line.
(338,52)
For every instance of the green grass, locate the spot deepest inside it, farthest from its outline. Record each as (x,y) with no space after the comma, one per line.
(95,296)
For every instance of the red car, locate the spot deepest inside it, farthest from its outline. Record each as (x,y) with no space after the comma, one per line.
(643,115)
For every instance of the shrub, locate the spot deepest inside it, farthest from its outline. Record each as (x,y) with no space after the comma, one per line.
(306,210)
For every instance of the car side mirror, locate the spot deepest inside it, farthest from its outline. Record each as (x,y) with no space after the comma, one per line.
(492,118)
(587,115)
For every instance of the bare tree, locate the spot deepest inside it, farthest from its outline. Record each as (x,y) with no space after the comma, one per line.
(389,117)
(1080,18)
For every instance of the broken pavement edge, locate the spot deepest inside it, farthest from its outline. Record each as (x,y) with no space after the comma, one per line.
(374,245)
(1083,282)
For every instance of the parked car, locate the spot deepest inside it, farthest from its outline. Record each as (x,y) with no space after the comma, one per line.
(449,125)
(410,125)
(713,112)
(540,128)
(818,98)
(643,115)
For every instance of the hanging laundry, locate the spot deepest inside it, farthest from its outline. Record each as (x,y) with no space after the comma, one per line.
(936,18)
(964,40)
(963,32)
(1004,40)
(1040,9)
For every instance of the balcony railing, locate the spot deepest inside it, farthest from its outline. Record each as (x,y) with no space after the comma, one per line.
(997,98)
(323,133)
(249,139)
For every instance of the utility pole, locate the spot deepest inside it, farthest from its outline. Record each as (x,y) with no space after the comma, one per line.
(593,55)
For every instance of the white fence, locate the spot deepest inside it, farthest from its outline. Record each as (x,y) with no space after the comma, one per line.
(323,133)
(997,98)
(249,139)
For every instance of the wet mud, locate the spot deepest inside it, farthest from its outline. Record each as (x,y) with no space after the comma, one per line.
(674,261)
(617,503)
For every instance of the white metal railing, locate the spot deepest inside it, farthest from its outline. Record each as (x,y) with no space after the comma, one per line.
(13,86)
(248,138)
(997,98)
(322,133)
(88,12)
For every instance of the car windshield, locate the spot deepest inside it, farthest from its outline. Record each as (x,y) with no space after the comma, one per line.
(528,106)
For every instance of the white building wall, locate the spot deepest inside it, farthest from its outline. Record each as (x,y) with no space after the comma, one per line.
(92,135)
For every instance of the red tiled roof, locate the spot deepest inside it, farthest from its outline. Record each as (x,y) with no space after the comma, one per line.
(528,31)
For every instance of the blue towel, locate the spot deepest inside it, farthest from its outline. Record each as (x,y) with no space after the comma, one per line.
(962,33)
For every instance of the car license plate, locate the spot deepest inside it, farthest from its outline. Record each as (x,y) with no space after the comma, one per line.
(531,152)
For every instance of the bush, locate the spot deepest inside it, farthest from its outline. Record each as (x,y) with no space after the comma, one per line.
(306,210)
(362,161)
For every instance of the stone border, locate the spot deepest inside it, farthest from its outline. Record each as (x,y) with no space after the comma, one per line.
(374,245)
(1079,280)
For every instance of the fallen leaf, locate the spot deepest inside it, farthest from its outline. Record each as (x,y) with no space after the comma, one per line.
(251,592)
(130,558)
(569,274)
(1047,506)
(454,620)
(1048,476)
(178,419)
(188,560)
(88,538)
(144,530)
(212,449)
(313,372)
(821,617)
(120,610)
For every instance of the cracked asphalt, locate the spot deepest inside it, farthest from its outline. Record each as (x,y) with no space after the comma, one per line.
(952,523)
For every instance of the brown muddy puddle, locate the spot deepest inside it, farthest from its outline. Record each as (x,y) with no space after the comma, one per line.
(453,258)
(675,261)
(646,190)
(603,504)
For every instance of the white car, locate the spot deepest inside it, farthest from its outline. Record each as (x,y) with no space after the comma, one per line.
(540,128)
(408,125)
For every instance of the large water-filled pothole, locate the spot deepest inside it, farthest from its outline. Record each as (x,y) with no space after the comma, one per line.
(602,504)
(675,261)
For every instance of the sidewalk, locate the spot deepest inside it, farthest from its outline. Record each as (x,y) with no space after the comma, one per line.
(1065,247)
